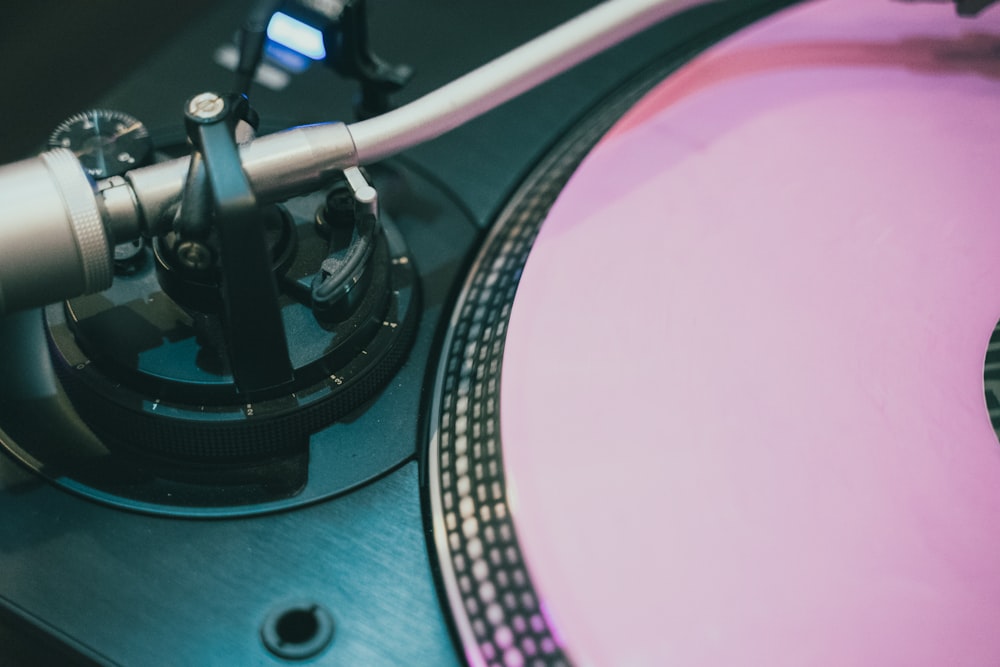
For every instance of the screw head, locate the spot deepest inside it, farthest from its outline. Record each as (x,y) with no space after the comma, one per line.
(194,255)
(206,106)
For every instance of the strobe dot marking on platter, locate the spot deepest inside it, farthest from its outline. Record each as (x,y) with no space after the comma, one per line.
(489,575)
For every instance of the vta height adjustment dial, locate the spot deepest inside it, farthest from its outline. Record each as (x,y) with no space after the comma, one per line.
(106,142)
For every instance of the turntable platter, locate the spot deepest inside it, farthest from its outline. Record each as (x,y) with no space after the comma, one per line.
(742,406)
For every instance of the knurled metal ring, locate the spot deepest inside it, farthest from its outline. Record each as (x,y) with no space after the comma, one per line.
(80,199)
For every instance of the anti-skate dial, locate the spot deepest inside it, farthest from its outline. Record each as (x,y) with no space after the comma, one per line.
(106,142)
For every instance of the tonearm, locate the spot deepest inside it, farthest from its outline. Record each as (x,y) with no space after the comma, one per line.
(62,247)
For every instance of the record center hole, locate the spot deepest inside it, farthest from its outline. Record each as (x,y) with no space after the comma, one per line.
(297,626)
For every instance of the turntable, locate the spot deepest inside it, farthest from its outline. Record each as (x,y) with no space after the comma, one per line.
(685,356)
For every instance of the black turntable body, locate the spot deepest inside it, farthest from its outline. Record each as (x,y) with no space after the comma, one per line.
(147,521)
(87,576)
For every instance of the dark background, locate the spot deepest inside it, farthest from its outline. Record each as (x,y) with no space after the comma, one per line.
(48,49)
(37,83)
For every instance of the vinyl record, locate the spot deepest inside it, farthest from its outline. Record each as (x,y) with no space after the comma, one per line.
(741,415)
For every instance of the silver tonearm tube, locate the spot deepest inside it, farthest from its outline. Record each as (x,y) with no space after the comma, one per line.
(58,228)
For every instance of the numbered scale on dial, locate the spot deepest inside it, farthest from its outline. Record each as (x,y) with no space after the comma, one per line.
(107,142)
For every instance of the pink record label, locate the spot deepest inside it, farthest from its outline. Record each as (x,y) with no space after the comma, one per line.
(742,412)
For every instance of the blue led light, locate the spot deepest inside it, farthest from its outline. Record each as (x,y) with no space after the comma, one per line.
(297,36)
